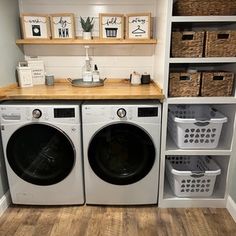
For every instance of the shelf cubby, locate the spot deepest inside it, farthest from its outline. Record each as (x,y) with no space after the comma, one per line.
(225,142)
(217,199)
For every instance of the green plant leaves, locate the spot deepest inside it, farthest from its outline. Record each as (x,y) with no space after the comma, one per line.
(87,24)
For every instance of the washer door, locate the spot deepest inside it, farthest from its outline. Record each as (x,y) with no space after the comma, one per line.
(40,154)
(121,154)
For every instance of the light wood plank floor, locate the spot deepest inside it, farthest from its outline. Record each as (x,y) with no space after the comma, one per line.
(115,221)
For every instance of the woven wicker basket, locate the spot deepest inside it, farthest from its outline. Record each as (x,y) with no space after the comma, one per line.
(220,44)
(187,44)
(217,83)
(184,84)
(204,7)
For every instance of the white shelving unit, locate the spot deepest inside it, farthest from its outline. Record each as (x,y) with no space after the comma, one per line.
(224,153)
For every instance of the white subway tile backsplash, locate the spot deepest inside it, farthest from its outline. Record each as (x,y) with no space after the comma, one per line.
(112,67)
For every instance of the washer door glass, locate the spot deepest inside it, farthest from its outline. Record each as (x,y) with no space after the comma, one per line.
(121,154)
(40,154)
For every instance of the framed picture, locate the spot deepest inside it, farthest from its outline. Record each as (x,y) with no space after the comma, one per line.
(35,26)
(111,26)
(138,26)
(62,26)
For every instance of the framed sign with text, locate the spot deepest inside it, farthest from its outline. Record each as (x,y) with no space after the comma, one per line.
(111,26)
(138,26)
(63,26)
(35,26)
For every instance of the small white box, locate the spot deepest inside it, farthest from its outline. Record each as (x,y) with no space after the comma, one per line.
(38,71)
(24,75)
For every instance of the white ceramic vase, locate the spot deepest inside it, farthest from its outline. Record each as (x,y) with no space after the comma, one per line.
(87,35)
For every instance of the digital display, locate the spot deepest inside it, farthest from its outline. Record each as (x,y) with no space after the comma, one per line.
(64,112)
(147,111)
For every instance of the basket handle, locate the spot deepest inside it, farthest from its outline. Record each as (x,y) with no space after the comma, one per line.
(197,174)
(186,37)
(224,36)
(218,77)
(184,77)
(202,123)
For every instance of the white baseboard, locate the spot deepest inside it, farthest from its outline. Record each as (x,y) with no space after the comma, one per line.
(5,201)
(231,207)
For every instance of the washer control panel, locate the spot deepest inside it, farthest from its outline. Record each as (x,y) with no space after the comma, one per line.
(40,113)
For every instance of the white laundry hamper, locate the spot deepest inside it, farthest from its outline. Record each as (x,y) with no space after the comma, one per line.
(195,126)
(191,176)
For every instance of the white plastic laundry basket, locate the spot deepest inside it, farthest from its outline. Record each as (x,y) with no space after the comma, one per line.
(195,126)
(191,176)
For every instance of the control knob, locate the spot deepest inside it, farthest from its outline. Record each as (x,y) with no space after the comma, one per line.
(36,113)
(121,112)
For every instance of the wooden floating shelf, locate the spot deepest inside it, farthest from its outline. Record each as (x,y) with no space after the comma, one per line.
(84,42)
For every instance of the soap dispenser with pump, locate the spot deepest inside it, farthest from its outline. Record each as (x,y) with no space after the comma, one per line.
(87,73)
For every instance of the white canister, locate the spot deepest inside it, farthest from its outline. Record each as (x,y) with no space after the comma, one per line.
(135,78)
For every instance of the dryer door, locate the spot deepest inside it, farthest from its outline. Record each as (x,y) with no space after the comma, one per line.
(40,154)
(121,154)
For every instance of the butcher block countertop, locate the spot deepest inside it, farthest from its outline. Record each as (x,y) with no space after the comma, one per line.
(62,89)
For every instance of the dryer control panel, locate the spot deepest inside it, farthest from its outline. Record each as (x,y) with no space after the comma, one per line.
(147,113)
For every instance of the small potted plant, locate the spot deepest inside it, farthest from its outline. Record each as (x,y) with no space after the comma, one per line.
(87,26)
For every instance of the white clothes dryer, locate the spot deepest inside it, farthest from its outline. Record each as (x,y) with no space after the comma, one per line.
(121,152)
(43,154)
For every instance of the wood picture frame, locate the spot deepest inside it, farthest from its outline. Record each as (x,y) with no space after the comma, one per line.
(35,26)
(111,26)
(63,25)
(138,26)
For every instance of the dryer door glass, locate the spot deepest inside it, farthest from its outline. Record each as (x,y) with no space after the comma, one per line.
(121,154)
(40,154)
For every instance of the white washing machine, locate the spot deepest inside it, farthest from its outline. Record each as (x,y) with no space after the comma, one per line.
(43,154)
(121,152)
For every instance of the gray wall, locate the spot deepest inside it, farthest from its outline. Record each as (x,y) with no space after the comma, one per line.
(10,54)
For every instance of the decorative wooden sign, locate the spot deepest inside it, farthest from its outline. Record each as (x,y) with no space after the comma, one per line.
(111,26)
(35,26)
(62,26)
(138,26)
